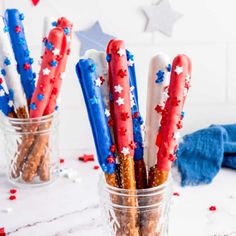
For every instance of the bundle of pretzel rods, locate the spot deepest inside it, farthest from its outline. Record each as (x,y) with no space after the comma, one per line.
(108,83)
(21,98)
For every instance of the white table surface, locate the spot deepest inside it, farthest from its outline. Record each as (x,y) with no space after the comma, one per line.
(68,208)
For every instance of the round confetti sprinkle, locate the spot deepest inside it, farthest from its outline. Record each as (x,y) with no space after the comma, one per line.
(62,160)
(13,191)
(96,167)
(40,97)
(12,197)
(212,208)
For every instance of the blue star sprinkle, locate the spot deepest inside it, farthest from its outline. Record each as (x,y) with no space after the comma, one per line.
(182,114)
(108,57)
(34,75)
(56,108)
(92,67)
(160,76)
(66,31)
(33,106)
(49,46)
(26,53)
(93,100)
(111,97)
(3,72)
(129,56)
(53,63)
(21,41)
(5,29)
(7,61)
(40,97)
(21,16)
(31,61)
(168,68)
(54,23)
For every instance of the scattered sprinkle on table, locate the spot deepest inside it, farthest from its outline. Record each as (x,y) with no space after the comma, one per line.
(176,194)
(212,208)
(96,167)
(86,157)
(12,197)
(13,191)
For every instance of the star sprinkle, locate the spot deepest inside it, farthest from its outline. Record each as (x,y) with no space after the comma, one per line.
(123,131)
(122,73)
(2,92)
(125,151)
(12,197)
(27,66)
(168,68)
(86,157)
(118,88)
(93,100)
(179,70)
(107,113)
(108,57)
(113,148)
(161,17)
(7,61)
(130,62)
(120,101)
(17,29)
(10,103)
(111,160)
(46,71)
(98,82)
(187,78)
(176,136)
(56,52)
(124,116)
(13,191)
(93,38)
(63,75)
(121,52)
(96,167)
(160,76)
(212,208)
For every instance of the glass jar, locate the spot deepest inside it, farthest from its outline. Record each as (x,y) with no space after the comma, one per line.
(31,149)
(149,216)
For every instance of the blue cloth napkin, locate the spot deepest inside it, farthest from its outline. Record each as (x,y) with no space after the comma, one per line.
(202,154)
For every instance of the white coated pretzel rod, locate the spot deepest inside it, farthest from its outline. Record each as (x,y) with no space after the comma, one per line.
(158,80)
(9,72)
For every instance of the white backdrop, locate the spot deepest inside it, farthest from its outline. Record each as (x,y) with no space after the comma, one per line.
(206,32)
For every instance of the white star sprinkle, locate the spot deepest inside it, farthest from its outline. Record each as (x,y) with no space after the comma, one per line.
(106,101)
(130,62)
(121,52)
(107,113)
(125,151)
(46,71)
(187,78)
(68,39)
(132,88)
(132,103)
(179,69)
(2,93)
(120,101)
(63,75)
(98,82)
(56,52)
(118,88)
(176,135)
(10,103)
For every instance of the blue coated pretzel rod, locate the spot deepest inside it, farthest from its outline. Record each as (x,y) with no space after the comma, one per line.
(6,101)
(140,167)
(22,55)
(85,70)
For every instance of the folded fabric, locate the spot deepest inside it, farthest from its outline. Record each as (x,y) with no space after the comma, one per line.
(202,154)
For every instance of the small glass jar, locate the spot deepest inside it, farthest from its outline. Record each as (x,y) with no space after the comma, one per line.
(142,212)
(31,149)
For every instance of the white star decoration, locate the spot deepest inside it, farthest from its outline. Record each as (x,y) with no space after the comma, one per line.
(187,78)
(10,103)
(125,151)
(68,39)
(118,88)
(130,62)
(132,88)
(98,82)
(107,113)
(179,70)
(56,52)
(176,135)
(120,101)
(63,75)
(161,17)
(2,93)
(46,71)
(121,52)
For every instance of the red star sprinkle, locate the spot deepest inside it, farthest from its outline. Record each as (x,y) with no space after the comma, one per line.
(175,101)
(180,125)
(124,116)
(42,87)
(122,73)
(54,91)
(136,114)
(2,231)
(123,131)
(61,160)
(176,194)
(86,157)
(159,108)
(212,208)
(172,157)
(110,123)
(102,79)
(187,85)
(12,197)
(52,81)
(26,66)
(1,80)
(113,148)
(96,167)
(13,191)
(132,145)
(111,159)
(17,29)
(35,2)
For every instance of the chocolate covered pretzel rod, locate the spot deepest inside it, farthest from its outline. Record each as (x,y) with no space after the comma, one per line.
(123,129)
(20,48)
(140,167)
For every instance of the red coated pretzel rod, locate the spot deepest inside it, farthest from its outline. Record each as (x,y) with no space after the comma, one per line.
(123,129)
(172,116)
